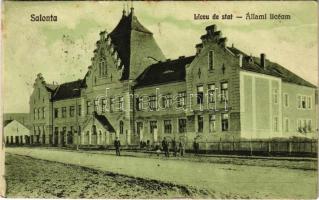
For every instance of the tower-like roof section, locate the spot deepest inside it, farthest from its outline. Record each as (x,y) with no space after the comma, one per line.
(134,43)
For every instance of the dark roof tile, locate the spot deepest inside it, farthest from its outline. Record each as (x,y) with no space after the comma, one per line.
(68,90)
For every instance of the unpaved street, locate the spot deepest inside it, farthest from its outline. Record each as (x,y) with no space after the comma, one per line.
(222,180)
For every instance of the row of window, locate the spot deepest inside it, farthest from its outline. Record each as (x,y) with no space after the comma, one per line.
(63,113)
(39,113)
(182,128)
(304,102)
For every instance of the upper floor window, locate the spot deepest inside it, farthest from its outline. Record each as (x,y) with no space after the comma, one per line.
(34,113)
(286,124)
(167,101)
(276,124)
(200,94)
(121,103)
(111,104)
(56,112)
(211,60)
(152,102)
(181,101)
(63,112)
(72,110)
(96,105)
(103,101)
(275,96)
(139,103)
(211,93)
(43,112)
(308,102)
(139,127)
(39,113)
(102,67)
(304,102)
(79,110)
(88,107)
(286,100)
(224,91)
(167,126)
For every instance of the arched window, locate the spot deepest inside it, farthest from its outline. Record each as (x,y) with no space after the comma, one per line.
(121,127)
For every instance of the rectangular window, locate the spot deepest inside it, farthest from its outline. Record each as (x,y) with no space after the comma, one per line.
(299,126)
(212,123)
(167,126)
(63,112)
(56,112)
(56,130)
(211,60)
(43,112)
(72,110)
(182,125)
(152,102)
(139,103)
(224,92)
(200,94)
(111,104)
(286,100)
(200,123)
(96,105)
(211,93)
(103,102)
(309,102)
(38,113)
(88,107)
(225,124)
(276,124)
(181,99)
(275,96)
(309,125)
(167,101)
(153,126)
(121,103)
(303,102)
(287,125)
(79,110)
(139,127)
(34,113)
(299,101)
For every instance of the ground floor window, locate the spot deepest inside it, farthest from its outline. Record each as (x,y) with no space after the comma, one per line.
(121,127)
(7,140)
(286,125)
(212,123)
(181,125)
(139,127)
(276,124)
(153,126)
(225,123)
(200,123)
(167,126)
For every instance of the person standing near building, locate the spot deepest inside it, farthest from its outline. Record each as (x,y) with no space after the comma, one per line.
(165,147)
(196,146)
(117,145)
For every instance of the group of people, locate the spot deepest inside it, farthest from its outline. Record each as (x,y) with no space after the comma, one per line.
(165,147)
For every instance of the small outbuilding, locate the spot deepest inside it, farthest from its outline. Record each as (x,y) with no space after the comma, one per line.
(15,132)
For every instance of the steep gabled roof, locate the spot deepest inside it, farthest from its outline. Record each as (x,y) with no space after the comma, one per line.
(68,90)
(130,38)
(164,72)
(251,63)
(105,122)
(50,87)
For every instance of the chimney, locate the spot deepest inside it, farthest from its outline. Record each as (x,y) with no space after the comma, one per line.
(240,60)
(263,60)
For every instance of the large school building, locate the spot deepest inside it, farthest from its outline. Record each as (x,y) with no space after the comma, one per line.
(131,91)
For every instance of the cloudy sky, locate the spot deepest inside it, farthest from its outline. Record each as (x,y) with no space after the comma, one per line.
(61,50)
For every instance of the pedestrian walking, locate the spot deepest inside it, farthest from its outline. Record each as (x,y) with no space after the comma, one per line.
(181,148)
(117,145)
(174,147)
(165,147)
(195,146)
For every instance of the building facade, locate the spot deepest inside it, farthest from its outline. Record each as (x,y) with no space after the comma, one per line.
(131,91)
